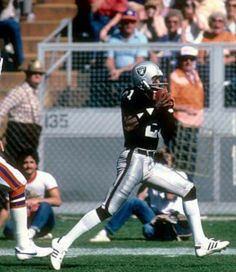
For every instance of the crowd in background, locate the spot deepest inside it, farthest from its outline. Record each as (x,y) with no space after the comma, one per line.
(191,21)
(96,20)
(128,22)
(11,13)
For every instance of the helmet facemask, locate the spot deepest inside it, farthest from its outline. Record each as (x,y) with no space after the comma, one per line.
(158,83)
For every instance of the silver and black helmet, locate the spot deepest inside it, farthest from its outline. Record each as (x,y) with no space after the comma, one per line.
(143,75)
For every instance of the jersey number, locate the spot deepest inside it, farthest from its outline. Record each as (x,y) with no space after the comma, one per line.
(130,94)
(152,131)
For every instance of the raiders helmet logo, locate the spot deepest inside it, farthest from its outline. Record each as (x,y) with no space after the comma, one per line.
(141,70)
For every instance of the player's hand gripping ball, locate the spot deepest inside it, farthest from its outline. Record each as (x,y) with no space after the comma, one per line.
(163,100)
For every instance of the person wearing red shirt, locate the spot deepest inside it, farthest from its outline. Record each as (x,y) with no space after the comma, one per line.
(105,16)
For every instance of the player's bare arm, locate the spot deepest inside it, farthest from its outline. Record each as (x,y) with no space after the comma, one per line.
(130,122)
(1,146)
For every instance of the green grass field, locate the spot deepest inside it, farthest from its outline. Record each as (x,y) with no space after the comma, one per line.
(128,251)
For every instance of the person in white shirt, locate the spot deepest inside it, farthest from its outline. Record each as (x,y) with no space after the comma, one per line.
(42,193)
(12,188)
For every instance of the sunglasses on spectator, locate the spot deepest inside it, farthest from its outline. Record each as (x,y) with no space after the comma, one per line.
(189,5)
(174,22)
(35,73)
(184,58)
(128,22)
(231,5)
(152,6)
(218,20)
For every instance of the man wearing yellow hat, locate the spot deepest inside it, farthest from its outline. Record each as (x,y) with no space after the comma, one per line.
(22,107)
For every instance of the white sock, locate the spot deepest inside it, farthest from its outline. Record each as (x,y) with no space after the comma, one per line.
(19,216)
(31,233)
(192,212)
(87,222)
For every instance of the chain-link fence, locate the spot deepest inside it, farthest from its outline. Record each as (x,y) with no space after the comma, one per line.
(82,135)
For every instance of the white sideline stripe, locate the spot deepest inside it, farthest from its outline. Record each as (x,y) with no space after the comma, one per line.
(117,251)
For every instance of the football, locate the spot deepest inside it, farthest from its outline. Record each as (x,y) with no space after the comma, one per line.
(163,99)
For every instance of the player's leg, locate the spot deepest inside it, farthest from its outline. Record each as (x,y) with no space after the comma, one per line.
(130,173)
(203,245)
(25,248)
(168,180)
(121,216)
(13,181)
(171,181)
(132,206)
(19,216)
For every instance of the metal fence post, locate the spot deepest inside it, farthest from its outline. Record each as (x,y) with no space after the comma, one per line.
(216,106)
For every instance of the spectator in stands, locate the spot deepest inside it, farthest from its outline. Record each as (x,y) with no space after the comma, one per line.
(82,31)
(230,56)
(231,15)
(22,107)
(205,8)
(107,81)
(187,90)
(153,26)
(119,62)
(167,58)
(26,10)
(11,33)
(161,214)
(42,193)
(105,17)
(191,25)
(138,6)
(168,4)
(217,33)
(173,21)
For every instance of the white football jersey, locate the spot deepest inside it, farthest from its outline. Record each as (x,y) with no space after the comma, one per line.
(42,183)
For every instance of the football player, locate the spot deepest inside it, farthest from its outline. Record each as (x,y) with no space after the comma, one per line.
(145,108)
